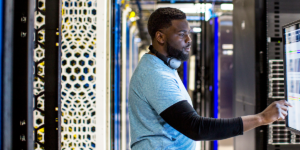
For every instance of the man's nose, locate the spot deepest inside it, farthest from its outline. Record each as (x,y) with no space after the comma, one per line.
(188,39)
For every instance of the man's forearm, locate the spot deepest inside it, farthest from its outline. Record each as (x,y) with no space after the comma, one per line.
(251,121)
(182,117)
(275,111)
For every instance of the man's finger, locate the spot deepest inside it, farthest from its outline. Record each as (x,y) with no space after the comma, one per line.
(284,113)
(285,108)
(280,114)
(281,101)
(286,103)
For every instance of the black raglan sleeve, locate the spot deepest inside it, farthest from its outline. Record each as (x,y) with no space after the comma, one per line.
(182,117)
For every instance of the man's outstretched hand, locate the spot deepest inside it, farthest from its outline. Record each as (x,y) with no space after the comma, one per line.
(276,111)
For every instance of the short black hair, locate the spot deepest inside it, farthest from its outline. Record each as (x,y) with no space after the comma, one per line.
(162,18)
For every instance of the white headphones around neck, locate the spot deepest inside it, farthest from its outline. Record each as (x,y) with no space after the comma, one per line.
(171,62)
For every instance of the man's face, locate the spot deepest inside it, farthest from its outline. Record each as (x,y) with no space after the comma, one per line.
(178,39)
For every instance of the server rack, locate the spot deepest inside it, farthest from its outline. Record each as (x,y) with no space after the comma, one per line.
(279,13)
(19,98)
(32,75)
(17,74)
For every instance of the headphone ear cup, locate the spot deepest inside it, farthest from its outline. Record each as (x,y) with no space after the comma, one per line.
(174,63)
(171,62)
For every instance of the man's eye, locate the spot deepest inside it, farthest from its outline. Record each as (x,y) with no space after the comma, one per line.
(181,34)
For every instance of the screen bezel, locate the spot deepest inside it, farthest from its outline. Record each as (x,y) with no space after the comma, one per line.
(284,70)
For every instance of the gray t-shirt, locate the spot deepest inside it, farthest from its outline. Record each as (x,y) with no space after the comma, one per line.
(153,88)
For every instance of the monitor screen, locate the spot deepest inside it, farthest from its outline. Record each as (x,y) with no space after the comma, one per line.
(292,73)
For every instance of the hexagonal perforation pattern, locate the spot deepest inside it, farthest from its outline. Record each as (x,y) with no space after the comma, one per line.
(39,74)
(78,74)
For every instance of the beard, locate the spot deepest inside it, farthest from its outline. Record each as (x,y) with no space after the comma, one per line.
(177,53)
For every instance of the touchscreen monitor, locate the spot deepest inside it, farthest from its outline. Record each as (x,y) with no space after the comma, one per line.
(291,42)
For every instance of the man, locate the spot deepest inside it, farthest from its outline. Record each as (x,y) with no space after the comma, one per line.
(160,109)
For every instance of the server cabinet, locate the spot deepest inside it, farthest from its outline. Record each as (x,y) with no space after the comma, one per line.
(31,98)
(279,13)
(249,72)
(17,74)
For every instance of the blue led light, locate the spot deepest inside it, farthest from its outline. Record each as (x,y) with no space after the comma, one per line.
(185,74)
(117,74)
(216,74)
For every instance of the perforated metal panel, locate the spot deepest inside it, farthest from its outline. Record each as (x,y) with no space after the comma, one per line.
(39,74)
(78,74)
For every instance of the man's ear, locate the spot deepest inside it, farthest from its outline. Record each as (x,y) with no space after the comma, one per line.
(160,37)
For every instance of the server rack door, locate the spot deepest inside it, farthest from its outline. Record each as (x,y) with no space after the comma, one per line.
(244,67)
(17,74)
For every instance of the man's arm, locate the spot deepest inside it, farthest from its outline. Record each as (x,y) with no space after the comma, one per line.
(184,119)
(276,111)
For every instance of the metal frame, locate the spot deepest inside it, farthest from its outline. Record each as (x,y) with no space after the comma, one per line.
(103,63)
(19,82)
(52,74)
(7,74)
(22,75)
(1,59)
(127,130)
(108,73)
(30,76)
(59,74)
(124,54)
(17,75)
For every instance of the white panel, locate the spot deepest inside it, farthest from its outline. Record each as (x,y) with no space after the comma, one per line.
(83,51)
(103,75)
(131,47)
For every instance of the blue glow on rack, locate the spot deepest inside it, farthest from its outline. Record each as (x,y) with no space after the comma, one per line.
(117,75)
(185,74)
(216,73)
